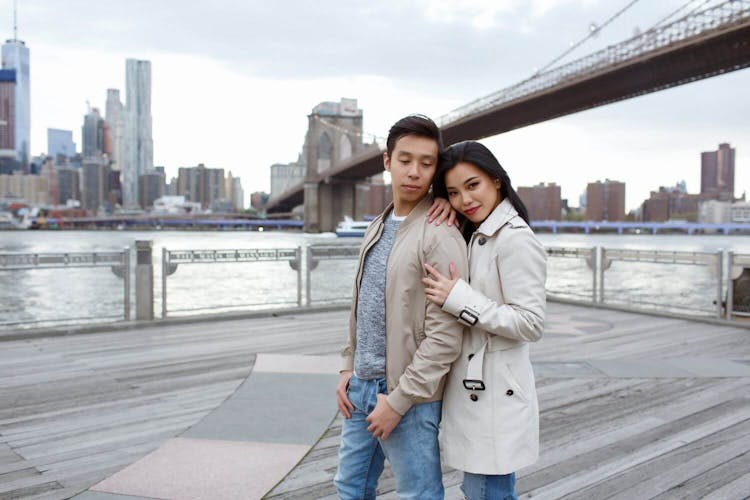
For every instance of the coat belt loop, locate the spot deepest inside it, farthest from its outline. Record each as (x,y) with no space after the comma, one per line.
(473,380)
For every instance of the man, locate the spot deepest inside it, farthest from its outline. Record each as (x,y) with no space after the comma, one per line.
(400,345)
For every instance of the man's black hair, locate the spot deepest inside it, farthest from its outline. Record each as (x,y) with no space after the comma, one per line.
(418,125)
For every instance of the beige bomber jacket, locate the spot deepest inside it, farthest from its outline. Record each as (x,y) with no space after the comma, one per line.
(422,340)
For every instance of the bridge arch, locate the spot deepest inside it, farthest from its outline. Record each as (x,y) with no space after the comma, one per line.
(345,147)
(325,152)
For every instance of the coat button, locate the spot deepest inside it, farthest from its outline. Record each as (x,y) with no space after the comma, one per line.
(473,397)
(482,241)
(509,392)
(471,356)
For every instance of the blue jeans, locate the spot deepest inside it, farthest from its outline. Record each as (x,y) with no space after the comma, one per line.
(412,449)
(484,487)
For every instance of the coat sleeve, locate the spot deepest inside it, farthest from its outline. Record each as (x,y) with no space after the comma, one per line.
(522,271)
(443,334)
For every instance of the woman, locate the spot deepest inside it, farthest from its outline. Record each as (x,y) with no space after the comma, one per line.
(490,410)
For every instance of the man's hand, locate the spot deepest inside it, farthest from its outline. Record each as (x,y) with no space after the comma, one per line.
(383,419)
(345,406)
(440,211)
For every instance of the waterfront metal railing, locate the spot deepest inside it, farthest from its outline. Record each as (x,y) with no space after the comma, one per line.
(328,253)
(687,284)
(172,259)
(117,262)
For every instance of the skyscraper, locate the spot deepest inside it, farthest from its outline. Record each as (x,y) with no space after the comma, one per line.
(16,56)
(7,108)
(139,147)
(93,135)
(60,143)
(115,117)
(717,173)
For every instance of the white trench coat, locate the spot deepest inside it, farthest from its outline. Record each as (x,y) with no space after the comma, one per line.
(496,430)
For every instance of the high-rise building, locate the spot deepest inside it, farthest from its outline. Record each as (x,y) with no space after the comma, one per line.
(605,201)
(150,188)
(93,133)
(200,184)
(95,184)
(16,56)
(544,202)
(717,172)
(60,144)
(68,185)
(234,192)
(285,176)
(7,109)
(139,146)
(115,118)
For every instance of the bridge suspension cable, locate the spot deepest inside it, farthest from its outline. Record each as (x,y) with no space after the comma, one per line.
(724,13)
(593,31)
(373,138)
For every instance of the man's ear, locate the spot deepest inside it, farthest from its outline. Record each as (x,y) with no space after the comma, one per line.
(386,162)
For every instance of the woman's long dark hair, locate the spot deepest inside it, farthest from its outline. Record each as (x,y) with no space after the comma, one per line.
(478,155)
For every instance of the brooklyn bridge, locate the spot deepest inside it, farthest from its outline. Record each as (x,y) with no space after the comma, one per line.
(699,45)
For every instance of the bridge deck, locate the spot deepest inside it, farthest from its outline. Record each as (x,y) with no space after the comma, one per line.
(632,406)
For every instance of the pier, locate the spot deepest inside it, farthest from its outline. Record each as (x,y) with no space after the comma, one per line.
(632,406)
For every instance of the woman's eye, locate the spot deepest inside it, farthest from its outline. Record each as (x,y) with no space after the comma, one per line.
(473,185)
(451,195)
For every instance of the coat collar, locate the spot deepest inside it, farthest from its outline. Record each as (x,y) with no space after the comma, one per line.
(417,213)
(500,216)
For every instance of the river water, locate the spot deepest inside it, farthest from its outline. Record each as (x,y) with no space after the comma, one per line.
(43,297)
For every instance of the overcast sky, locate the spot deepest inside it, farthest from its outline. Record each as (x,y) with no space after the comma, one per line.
(234,80)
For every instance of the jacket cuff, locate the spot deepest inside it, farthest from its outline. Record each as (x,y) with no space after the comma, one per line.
(399,401)
(347,363)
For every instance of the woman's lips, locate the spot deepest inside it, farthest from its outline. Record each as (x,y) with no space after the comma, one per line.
(471,211)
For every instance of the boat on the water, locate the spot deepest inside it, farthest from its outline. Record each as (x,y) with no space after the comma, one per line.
(350,228)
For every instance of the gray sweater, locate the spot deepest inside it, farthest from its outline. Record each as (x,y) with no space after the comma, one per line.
(369,356)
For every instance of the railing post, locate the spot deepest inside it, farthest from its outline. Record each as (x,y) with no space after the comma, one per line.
(126,281)
(594,272)
(730,286)
(164,273)
(299,276)
(144,280)
(600,268)
(308,273)
(720,281)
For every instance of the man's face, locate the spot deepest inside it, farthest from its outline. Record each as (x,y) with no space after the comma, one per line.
(412,166)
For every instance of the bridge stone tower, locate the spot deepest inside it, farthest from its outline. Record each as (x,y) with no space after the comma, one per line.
(334,134)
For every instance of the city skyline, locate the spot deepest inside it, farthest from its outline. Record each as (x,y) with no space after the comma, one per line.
(262,101)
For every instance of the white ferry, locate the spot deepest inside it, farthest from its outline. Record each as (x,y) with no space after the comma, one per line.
(350,228)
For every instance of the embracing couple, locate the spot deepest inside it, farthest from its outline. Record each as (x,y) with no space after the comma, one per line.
(440,327)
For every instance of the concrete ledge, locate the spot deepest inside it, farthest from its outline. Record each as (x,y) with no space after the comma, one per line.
(121,326)
(738,323)
(247,445)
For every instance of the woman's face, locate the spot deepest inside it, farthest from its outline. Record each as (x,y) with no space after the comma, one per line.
(472,192)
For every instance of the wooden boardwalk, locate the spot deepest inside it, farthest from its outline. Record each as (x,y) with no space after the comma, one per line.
(632,406)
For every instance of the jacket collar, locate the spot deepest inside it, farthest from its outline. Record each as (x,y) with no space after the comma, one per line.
(500,216)
(417,213)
